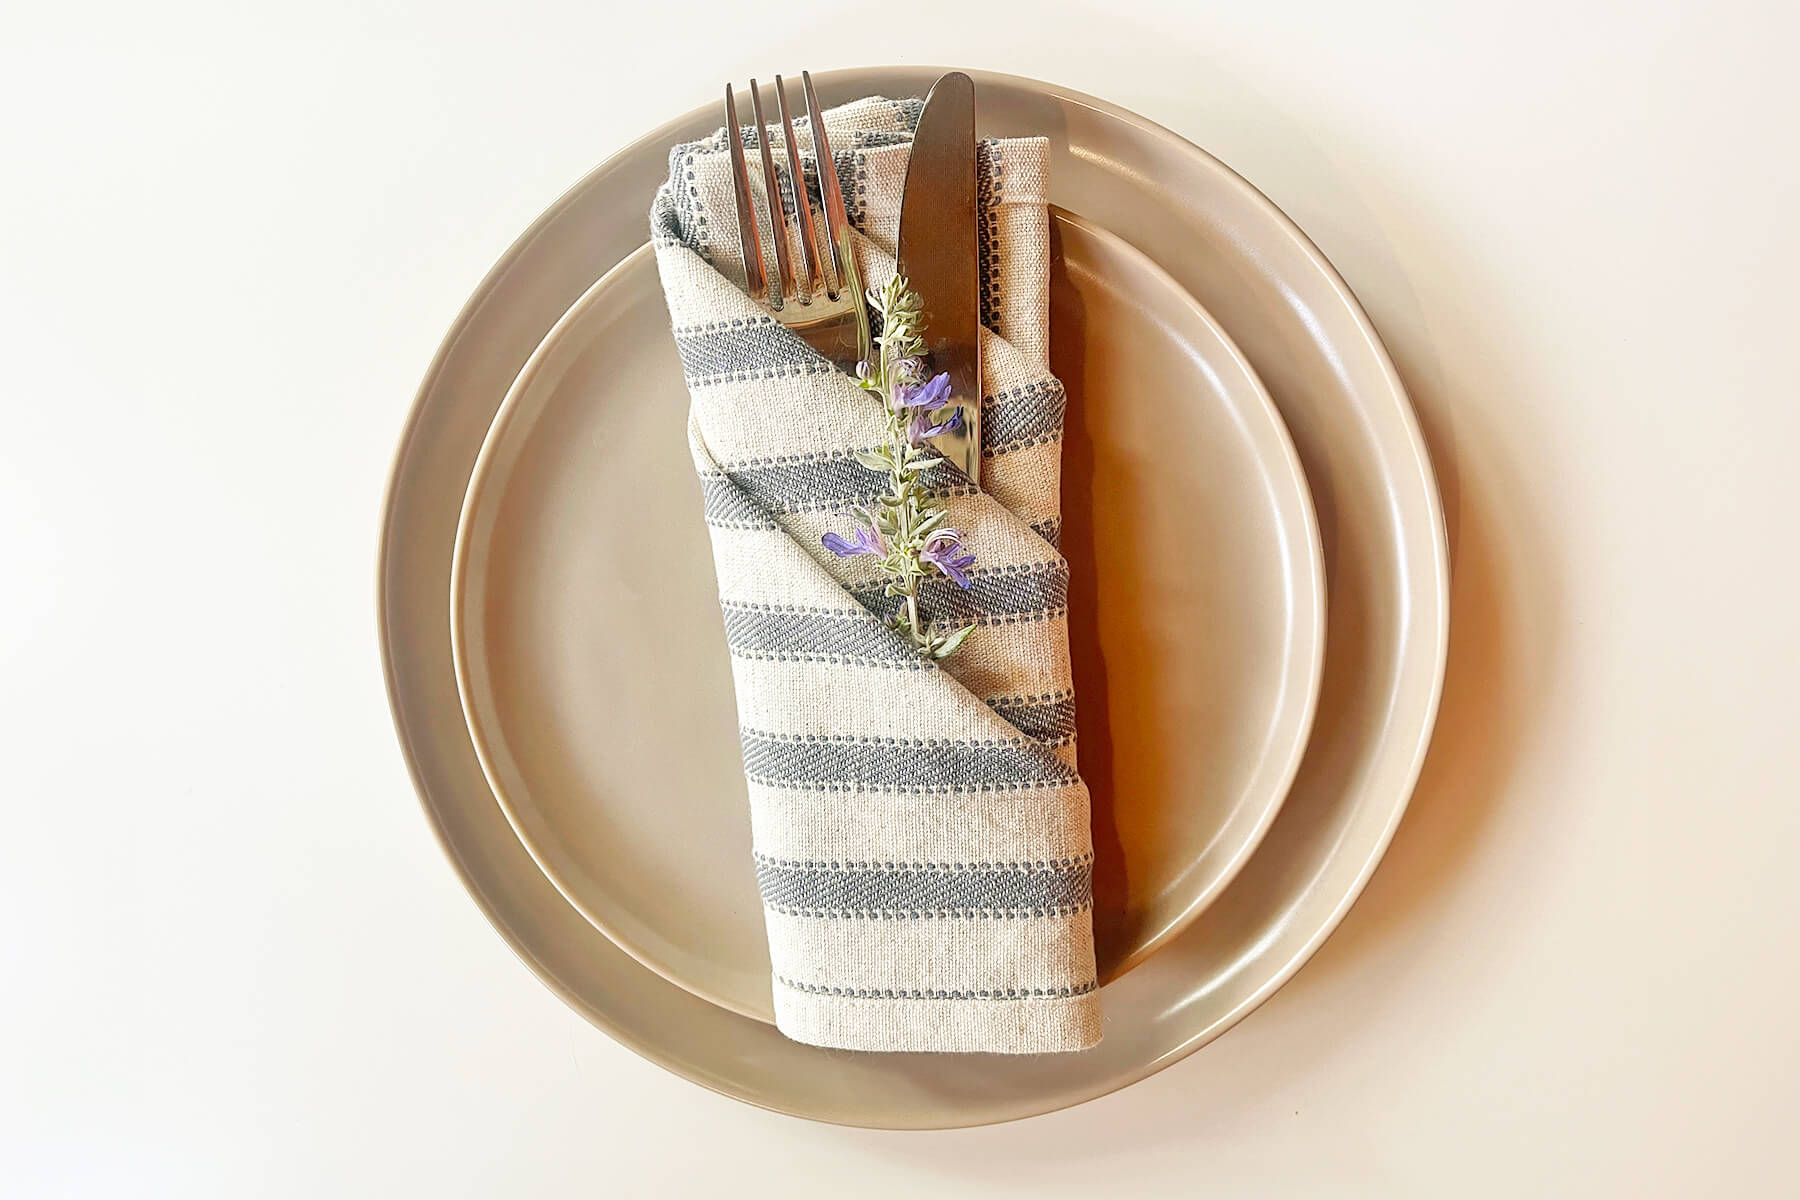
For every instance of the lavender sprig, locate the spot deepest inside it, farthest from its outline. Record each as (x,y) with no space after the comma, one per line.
(905,527)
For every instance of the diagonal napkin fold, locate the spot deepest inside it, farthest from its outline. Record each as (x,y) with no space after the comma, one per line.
(921,835)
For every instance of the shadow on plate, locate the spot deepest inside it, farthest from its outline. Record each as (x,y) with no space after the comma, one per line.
(1504,587)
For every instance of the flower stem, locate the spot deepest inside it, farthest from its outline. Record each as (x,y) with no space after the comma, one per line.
(897,481)
(906,526)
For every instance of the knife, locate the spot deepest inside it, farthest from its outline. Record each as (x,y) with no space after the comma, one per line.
(938,254)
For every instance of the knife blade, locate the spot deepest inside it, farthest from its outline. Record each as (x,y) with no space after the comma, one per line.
(938,254)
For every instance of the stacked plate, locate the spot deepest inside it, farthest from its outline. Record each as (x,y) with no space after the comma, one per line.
(1238,450)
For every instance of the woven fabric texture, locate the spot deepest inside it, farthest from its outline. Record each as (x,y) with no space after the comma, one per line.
(921,833)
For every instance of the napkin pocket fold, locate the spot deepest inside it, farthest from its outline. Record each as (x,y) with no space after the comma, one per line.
(921,834)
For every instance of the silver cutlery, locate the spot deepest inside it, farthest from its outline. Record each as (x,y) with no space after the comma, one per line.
(827,310)
(939,254)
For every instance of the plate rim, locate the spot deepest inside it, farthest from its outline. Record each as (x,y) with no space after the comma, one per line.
(1305,636)
(1420,461)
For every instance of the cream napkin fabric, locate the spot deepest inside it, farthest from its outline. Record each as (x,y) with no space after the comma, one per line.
(921,835)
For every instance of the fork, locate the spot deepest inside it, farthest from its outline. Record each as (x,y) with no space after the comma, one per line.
(828,312)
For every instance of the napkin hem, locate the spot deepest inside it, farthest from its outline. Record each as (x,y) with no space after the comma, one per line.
(893,1023)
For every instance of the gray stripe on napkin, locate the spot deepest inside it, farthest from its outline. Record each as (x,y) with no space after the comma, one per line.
(824,482)
(1045,718)
(730,506)
(744,350)
(845,762)
(811,483)
(753,630)
(1027,416)
(926,889)
(819,989)
(1007,594)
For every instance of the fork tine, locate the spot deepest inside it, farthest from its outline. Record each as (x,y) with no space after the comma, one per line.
(815,278)
(756,276)
(830,193)
(783,283)
(837,223)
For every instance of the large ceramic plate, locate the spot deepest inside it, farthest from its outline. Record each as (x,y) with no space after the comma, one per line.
(1386,574)
(1197,627)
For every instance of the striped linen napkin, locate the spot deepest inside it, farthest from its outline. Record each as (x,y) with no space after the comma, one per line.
(921,835)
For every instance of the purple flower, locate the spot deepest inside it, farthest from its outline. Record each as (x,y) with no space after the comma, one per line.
(863,541)
(920,426)
(944,550)
(928,397)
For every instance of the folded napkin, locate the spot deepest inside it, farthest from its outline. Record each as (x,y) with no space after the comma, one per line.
(921,835)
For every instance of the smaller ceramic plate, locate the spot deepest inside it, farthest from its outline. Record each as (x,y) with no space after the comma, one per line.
(592,663)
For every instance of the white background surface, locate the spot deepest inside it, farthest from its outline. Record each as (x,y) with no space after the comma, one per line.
(235,963)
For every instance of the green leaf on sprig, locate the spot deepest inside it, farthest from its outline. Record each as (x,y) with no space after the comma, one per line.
(950,644)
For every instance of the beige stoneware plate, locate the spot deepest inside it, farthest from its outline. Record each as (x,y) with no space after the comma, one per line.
(1386,574)
(592,662)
